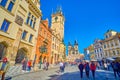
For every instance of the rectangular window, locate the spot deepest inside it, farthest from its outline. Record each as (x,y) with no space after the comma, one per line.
(29,14)
(3,3)
(33,25)
(28,20)
(24,35)
(31,22)
(30,38)
(114,52)
(53,46)
(104,46)
(10,6)
(117,51)
(5,26)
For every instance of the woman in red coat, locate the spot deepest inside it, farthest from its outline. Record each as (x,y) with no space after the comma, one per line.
(93,68)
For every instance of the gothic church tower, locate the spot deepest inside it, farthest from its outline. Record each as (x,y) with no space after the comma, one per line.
(76,47)
(57,24)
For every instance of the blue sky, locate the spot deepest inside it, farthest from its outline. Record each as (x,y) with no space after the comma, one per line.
(85,20)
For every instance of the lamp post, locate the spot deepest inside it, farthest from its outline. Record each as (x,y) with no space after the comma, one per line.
(42,50)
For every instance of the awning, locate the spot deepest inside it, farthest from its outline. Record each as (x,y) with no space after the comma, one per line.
(111,59)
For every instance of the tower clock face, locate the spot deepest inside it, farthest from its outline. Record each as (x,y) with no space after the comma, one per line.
(56,18)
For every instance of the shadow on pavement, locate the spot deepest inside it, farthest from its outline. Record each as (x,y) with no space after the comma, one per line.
(100,75)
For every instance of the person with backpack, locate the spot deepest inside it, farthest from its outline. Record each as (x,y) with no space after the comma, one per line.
(93,68)
(81,67)
(87,69)
(115,69)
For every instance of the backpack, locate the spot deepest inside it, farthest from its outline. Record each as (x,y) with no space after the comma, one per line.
(115,66)
(87,68)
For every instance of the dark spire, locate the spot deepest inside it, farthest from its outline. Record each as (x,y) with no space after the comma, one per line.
(75,43)
(69,44)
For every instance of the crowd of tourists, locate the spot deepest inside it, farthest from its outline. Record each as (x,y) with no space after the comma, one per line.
(87,66)
(92,66)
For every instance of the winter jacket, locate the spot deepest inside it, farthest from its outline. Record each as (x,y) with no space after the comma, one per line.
(81,67)
(29,63)
(92,66)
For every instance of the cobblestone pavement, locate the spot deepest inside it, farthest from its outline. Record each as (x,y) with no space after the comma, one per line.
(71,73)
(40,75)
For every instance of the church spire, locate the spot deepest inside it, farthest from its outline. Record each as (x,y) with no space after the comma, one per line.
(69,44)
(75,43)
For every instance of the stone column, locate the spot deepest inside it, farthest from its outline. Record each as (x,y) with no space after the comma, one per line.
(16,45)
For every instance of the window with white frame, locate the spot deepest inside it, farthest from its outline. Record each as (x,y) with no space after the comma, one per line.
(30,38)
(5,26)
(3,3)
(24,35)
(10,6)
(31,20)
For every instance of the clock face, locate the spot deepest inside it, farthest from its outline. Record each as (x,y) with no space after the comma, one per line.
(56,18)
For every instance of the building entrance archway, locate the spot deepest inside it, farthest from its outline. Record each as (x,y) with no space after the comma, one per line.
(3,49)
(21,54)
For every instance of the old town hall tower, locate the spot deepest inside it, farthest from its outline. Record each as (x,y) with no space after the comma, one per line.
(58,23)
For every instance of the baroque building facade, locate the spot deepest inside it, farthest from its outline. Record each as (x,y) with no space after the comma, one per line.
(111,44)
(57,27)
(98,49)
(44,40)
(19,23)
(73,52)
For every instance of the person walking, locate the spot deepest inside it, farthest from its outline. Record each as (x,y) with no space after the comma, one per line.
(24,64)
(61,66)
(29,64)
(87,69)
(108,66)
(93,68)
(105,66)
(81,67)
(115,66)
(47,65)
(4,66)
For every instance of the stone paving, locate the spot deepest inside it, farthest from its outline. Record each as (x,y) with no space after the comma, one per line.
(17,70)
(71,73)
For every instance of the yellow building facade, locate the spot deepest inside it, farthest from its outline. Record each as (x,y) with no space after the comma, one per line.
(111,44)
(19,23)
(62,51)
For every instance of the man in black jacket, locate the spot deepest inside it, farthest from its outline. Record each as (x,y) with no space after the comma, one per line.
(81,67)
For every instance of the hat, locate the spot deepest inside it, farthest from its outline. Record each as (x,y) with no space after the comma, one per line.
(5,59)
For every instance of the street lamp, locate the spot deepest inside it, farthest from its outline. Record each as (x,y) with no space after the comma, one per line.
(42,50)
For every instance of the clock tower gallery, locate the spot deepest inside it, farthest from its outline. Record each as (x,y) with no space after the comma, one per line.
(58,23)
